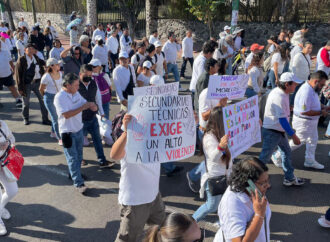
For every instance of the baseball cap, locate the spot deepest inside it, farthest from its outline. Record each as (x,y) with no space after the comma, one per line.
(157,80)
(158,44)
(33,28)
(289,76)
(256,46)
(147,64)
(140,44)
(98,37)
(52,61)
(95,62)
(226,27)
(123,54)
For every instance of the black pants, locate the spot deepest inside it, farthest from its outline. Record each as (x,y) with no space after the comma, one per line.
(184,64)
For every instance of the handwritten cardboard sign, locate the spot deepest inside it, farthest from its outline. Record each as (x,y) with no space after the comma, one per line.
(162,129)
(241,121)
(167,89)
(231,87)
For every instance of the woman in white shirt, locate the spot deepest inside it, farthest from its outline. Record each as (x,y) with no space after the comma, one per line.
(20,45)
(74,36)
(50,85)
(218,161)
(279,58)
(12,45)
(244,216)
(255,76)
(143,78)
(10,187)
(56,51)
(100,52)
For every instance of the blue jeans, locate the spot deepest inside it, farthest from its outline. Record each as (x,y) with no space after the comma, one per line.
(272,140)
(168,166)
(271,79)
(196,173)
(250,92)
(106,109)
(174,69)
(49,103)
(210,206)
(93,128)
(73,157)
(229,69)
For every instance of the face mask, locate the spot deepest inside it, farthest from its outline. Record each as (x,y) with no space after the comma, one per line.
(100,42)
(86,79)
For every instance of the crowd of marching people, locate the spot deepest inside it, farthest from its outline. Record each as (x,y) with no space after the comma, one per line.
(74,87)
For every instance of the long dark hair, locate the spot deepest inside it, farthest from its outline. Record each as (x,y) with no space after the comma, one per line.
(172,229)
(215,126)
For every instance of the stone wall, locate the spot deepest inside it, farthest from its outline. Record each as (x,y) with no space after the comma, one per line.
(318,33)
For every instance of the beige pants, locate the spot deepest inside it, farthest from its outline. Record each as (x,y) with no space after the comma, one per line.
(133,219)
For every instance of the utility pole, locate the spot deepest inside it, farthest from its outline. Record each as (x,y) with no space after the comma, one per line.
(234,15)
(34,12)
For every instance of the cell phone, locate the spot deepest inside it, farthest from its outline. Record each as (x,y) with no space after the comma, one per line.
(252,187)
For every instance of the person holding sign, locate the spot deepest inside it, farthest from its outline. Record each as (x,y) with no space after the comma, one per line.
(124,79)
(139,197)
(218,162)
(276,127)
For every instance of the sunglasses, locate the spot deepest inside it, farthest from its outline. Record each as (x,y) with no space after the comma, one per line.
(201,239)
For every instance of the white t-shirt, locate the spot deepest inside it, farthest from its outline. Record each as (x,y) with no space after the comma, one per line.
(235,212)
(101,53)
(159,63)
(139,183)
(144,79)
(74,37)
(20,47)
(198,69)
(37,70)
(52,86)
(56,53)
(320,63)
(65,102)
(301,66)
(23,23)
(237,43)
(5,58)
(121,78)
(153,39)
(135,60)
(277,106)
(277,58)
(248,60)
(170,50)
(205,105)
(3,29)
(125,45)
(254,74)
(306,100)
(187,47)
(98,32)
(112,45)
(293,52)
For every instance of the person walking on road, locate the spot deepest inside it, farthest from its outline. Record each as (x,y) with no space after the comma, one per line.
(187,52)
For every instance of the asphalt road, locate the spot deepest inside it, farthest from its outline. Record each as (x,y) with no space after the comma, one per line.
(47,208)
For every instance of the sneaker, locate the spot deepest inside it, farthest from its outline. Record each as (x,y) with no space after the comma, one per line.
(276,159)
(295,182)
(176,170)
(192,185)
(314,164)
(26,122)
(84,163)
(5,214)
(82,189)
(60,142)
(3,230)
(324,222)
(86,141)
(107,164)
(19,103)
(53,135)
(47,122)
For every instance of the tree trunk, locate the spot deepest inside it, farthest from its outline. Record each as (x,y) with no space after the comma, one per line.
(34,12)
(131,24)
(151,16)
(10,15)
(91,12)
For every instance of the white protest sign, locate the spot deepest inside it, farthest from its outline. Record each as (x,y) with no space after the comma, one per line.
(241,122)
(231,87)
(162,129)
(167,89)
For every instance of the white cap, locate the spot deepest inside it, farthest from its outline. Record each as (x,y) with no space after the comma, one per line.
(157,80)
(289,76)
(123,54)
(98,37)
(52,61)
(95,62)
(226,28)
(147,64)
(158,44)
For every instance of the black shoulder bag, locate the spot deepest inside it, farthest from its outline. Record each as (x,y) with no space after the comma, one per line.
(130,86)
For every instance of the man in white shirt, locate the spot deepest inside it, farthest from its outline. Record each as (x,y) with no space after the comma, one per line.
(139,56)
(153,37)
(187,52)
(295,50)
(113,47)
(124,79)
(301,63)
(69,105)
(52,29)
(98,31)
(255,49)
(139,198)
(306,113)
(298,36)
(323,58)
(160,61)
(226,31)
(276,127)
(3,28)
(23,23)
(171,49)
(125,41)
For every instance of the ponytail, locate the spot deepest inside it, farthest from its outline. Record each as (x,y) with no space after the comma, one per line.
(153,234)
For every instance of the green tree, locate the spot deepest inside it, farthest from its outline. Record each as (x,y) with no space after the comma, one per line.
(205,10)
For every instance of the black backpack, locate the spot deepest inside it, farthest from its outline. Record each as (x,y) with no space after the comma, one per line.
(117,122)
